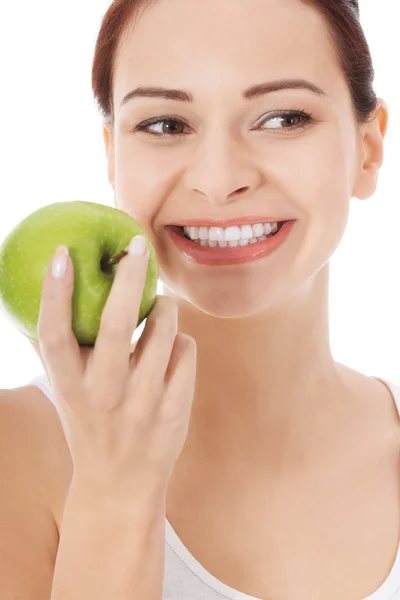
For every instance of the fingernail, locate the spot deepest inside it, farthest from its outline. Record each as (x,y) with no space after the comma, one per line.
(59,263)
(138,246)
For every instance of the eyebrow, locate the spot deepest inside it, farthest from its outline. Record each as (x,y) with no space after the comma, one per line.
(254,91)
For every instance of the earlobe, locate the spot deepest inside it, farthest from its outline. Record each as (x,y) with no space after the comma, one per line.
(372,150)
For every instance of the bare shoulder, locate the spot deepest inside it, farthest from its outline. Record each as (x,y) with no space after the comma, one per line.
(32,438)
(377,402)
(35,472)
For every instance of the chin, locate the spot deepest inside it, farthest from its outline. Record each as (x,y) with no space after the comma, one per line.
(230,305)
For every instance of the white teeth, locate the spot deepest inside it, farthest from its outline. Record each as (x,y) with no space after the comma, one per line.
(270,228)
(192,232)
(258,229)
(246,232)
(230,243)
(203,233)
(231,234)
(216,234)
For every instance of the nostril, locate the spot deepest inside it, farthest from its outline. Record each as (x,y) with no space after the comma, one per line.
(239,191)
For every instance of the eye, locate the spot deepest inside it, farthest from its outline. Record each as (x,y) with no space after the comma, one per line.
(295,119)
(164,127)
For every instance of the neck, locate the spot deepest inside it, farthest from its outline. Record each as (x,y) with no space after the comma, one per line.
(267,387)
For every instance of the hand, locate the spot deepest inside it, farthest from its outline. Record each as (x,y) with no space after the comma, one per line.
(125,414)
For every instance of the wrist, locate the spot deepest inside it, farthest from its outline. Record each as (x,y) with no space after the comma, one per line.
(91,498)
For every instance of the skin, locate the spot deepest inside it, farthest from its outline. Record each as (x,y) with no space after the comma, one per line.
(291,460)
(269,395)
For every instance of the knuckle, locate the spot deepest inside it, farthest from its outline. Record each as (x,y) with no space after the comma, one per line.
(49,338)
(144,414)
(173,414)
(114,329)
(144,418)
(165,327)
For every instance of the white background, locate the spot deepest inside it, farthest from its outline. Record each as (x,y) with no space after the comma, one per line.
(52,151)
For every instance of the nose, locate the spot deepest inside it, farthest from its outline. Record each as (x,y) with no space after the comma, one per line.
(221,171)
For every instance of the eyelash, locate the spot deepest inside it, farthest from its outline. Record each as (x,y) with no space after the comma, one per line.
(142,127)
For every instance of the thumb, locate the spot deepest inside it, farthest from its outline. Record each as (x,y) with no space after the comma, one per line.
(85,351)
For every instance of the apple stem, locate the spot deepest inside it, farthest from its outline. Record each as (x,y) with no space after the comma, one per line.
(116,258)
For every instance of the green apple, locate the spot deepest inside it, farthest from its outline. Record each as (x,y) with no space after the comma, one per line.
(95,235)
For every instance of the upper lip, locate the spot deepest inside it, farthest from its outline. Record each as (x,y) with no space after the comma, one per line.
(248,220)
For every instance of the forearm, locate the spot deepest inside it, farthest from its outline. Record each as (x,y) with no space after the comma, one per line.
(109,552)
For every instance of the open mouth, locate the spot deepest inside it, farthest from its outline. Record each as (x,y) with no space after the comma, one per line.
(230,252)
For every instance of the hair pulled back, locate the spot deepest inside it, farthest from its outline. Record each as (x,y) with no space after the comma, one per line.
(342,17)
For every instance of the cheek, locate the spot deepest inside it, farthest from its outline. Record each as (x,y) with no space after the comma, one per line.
(142,180)
(318,172)
(326,191)
(314,175)
(146,170)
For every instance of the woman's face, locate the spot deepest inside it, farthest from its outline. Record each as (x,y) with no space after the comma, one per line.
(295,168)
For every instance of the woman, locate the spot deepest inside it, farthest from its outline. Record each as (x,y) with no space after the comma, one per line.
(276,466)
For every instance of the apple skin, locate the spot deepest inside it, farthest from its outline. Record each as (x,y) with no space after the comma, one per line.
(91,232)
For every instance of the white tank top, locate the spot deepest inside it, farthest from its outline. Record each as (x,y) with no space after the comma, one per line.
(186,579)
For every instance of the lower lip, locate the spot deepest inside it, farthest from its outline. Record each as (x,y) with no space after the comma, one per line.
(230,256)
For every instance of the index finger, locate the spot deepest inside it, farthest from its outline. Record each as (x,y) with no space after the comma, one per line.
(59,348)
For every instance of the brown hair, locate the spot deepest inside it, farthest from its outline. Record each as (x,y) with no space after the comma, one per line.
(342,16)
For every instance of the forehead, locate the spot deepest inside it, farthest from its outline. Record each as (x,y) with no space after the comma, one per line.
(206,44)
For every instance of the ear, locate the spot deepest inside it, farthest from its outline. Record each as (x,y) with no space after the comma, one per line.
(371,153)
(108,135)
